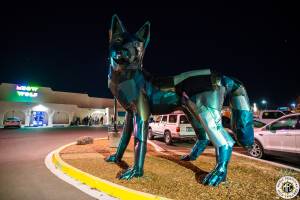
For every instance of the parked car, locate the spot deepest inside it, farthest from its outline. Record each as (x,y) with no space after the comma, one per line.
(12,122)
(256,123)
(172,127)
(267,116)
(226,124)
(287,112)
(280,137)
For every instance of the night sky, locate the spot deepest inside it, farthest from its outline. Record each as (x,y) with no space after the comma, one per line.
(65,47)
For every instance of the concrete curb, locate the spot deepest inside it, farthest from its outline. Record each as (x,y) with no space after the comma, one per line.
(157,148)
(102,185)
(84,188)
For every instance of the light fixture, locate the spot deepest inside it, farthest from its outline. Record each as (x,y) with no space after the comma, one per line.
(254,107)
(293,105)
(40,108)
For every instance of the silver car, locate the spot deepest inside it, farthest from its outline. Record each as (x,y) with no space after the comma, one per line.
(280,137)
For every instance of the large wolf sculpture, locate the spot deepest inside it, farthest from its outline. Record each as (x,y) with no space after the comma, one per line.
(199,94)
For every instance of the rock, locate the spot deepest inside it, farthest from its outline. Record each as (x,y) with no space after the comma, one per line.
(85,140)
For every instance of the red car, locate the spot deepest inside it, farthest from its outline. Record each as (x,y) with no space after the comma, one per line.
(12,122)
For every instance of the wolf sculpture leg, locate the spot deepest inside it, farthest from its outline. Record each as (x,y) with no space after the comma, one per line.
(202,139)
(211,120)
(209,106)
(126,134)
(242,118)
(140,149)
(141,126)
(241,115)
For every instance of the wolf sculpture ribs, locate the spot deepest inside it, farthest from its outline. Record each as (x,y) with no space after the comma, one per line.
(199,94)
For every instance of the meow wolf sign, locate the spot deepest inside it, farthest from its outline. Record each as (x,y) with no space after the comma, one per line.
(26,91)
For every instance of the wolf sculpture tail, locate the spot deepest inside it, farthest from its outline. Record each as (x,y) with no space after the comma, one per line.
(241,115)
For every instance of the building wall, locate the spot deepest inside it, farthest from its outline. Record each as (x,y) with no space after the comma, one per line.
(71,111)
(8,92)
(60,105)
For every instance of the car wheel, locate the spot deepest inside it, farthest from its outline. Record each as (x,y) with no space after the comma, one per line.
(168,138)
(257,150)
(150,134)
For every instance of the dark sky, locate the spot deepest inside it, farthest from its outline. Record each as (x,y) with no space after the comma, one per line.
(64,46)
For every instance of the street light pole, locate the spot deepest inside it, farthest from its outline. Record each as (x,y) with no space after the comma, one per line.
(113,134)
(115,115)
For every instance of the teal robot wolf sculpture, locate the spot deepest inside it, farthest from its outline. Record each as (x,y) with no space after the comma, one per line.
(199,94)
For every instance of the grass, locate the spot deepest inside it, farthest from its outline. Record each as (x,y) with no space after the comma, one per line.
(167,176)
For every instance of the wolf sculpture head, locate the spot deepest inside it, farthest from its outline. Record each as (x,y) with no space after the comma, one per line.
(126,50)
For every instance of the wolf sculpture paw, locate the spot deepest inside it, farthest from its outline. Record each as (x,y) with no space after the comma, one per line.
(112,158)
(215,177)
(130,173)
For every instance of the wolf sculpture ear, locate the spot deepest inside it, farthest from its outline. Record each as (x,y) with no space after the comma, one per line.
(116,27)
(144,33)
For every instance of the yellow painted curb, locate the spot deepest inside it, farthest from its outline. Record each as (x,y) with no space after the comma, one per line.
(105,186)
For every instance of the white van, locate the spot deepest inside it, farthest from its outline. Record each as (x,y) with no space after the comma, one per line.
(171,126)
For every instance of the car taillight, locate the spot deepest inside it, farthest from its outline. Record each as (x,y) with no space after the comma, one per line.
(177,129)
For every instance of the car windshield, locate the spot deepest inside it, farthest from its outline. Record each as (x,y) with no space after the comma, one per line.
(157,119)
(272,115)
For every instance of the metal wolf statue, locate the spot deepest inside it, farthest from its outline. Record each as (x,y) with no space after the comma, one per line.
(199,94)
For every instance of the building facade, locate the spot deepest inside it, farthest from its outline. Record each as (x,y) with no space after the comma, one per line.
(41,106)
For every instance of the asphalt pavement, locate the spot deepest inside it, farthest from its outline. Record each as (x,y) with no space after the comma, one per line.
(23,174)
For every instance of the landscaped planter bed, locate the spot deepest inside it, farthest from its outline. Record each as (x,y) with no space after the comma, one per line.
(167,176)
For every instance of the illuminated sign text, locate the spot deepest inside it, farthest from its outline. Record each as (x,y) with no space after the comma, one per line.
(27,91)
